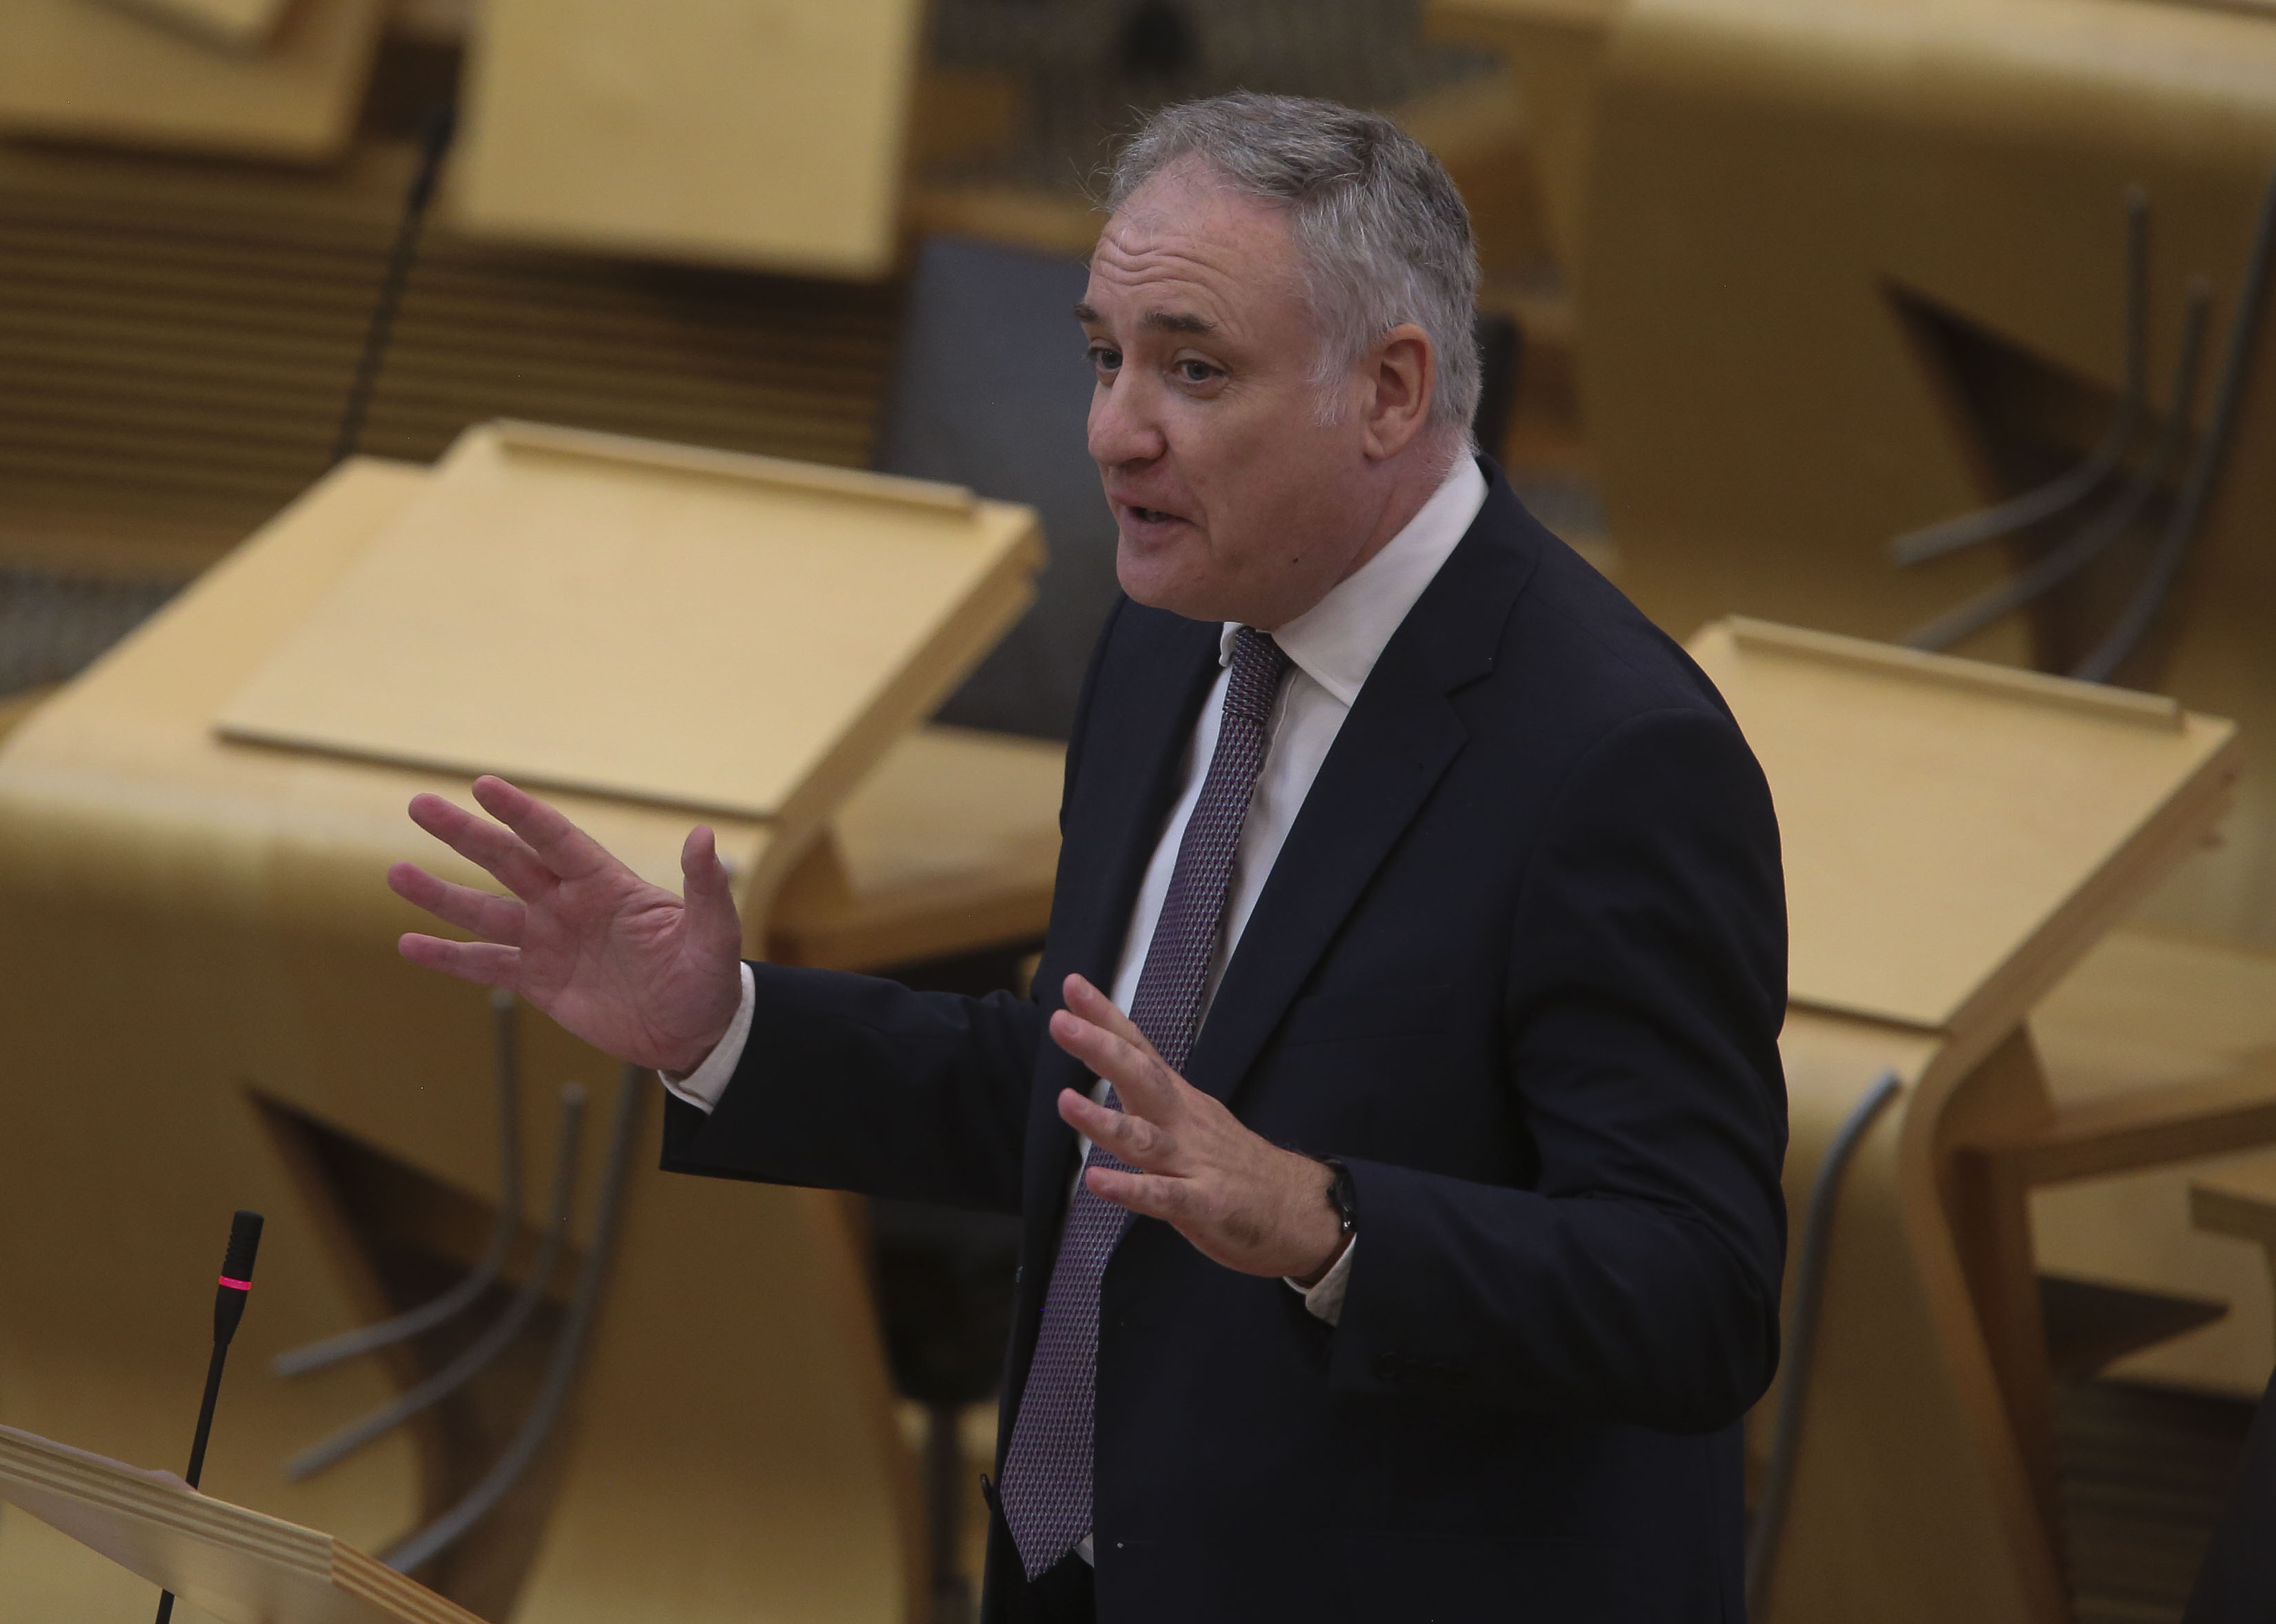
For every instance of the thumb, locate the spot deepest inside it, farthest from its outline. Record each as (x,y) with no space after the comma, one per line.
(706,890)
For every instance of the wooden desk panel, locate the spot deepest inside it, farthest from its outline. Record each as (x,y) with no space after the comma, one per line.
(757,133)
(91,72)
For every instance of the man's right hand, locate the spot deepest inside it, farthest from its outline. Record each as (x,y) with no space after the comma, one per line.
(625,965)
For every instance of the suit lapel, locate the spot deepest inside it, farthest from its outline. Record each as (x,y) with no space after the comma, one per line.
(1401,735)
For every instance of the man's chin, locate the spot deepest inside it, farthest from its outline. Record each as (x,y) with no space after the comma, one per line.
(1157,577)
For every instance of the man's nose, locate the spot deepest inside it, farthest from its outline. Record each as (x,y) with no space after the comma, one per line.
(1125,425)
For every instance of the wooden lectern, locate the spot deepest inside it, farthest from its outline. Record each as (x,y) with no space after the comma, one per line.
(235,1564)
(205,1009)
(1958,835)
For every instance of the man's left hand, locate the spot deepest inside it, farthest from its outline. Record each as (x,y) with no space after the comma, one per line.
(1240,1199)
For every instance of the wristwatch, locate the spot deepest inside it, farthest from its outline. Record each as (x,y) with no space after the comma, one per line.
(1343,1195)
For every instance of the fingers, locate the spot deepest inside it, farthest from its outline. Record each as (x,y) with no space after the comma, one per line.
(1146,1087)
(708,892)
(1147,1194)
(566,849)
(494,919)
(1130,1138)
(512,863)
(482,962)
(1101,1011)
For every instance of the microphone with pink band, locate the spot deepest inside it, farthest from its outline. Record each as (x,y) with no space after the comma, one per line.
(229,1308)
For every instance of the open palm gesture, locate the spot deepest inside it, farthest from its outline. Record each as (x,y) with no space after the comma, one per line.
(648,977)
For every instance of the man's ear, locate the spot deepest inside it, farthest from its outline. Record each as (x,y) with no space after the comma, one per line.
(1403,369)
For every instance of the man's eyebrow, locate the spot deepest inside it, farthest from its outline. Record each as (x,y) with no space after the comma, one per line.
(1161,321)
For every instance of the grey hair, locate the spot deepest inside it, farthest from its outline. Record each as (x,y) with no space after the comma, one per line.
(1382,228)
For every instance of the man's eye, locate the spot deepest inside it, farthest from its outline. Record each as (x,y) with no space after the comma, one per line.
(1105,359)
(1195,371)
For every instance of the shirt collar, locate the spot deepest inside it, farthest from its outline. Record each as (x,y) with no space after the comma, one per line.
(1337,641)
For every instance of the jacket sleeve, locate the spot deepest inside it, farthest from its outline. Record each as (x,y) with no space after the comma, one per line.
(855,1083)
(1638,1277)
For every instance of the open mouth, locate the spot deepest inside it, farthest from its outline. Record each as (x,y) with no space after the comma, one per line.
(1144,519)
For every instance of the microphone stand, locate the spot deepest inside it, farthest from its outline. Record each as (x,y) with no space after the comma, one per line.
(229,1308)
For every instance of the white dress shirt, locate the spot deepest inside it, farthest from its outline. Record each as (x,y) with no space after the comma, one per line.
(1332,646)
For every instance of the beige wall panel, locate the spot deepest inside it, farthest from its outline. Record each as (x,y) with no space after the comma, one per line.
(766,132)
(85,70)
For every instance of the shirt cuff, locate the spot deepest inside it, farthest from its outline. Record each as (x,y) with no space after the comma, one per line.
(1324,1298)
(702,1087)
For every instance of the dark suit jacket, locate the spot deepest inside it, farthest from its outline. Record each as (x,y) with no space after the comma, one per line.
(2237,1583)
(1521,962)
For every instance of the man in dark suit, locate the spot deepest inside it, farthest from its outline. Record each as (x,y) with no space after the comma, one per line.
(1397,1126)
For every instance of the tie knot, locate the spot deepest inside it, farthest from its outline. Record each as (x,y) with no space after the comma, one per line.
(1258,664)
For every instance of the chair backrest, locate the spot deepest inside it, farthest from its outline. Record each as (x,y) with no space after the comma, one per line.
(989,390)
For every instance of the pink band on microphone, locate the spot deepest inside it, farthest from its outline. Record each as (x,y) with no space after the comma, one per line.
(237,1284)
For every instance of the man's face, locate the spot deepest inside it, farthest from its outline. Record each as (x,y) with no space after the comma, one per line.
(1234,501)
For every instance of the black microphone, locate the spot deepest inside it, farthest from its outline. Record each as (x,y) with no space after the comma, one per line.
(229,1308)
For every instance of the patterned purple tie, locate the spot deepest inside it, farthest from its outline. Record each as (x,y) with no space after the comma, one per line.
(1046,1493)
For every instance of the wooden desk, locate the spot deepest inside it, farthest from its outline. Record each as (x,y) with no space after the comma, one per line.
(1957,836)
(237,1563)
(195,929)
(766,136)
(86,71)
(949,846)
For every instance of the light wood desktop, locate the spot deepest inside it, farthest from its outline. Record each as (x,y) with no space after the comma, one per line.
(197,936)
(85,70)
(235,1564)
